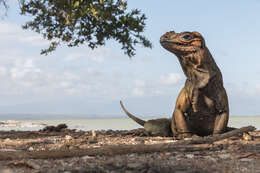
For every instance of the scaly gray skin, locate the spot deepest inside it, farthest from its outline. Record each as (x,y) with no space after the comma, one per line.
(154,127)
(202,105)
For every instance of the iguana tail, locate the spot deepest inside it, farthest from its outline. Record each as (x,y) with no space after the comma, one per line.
(138,120)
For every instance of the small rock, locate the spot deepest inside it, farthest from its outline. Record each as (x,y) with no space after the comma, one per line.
(7,150)
(87,157)
(234,147)
(133,165)
(7,171)
(247,137)
(246,160)
(224,156)
(190,156)
(61,126)
(34,165)
(7,140)
(128,171)
(210,158)
(168,153)
(77,130)
(57,128)
(21,164)
(68,137)
(93,140)
(178,171)
(132,155)
(94,134)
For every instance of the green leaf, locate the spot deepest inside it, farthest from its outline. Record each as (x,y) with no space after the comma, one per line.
(76,4)
(90,22)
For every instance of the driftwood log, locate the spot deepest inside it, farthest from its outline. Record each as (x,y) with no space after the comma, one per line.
(181,145)
(217,137)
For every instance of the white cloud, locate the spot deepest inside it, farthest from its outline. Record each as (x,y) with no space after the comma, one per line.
(27,77)
(98,59)
(96,55)
(70,76)
(139,88)
(33,39)
(78,73)
(161,85)
(138,92)
(65,84)
(257,89)
(171,78)
(13,33)
(139,83)
(47,77)
(21,69)
(93,72)
(42,77)
(73,57)
(3,70)
(7,28)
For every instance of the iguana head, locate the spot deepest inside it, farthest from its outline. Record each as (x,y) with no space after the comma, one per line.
(195,58)
(182,43)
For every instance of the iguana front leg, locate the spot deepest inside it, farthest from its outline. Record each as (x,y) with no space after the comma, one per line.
(220,123)
(179,124)
(222,116)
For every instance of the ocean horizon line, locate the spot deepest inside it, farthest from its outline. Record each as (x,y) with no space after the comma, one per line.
(24,116)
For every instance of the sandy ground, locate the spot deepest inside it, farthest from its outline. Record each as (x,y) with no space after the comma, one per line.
(236,154)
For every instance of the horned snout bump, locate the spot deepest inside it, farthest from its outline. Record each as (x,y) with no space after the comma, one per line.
(166,36)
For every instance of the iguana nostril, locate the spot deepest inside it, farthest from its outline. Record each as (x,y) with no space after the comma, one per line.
(163,38)
(166,36)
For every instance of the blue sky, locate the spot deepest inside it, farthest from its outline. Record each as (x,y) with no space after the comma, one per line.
(82,81)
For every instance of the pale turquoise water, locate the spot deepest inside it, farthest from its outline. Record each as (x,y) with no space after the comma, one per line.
(115,123)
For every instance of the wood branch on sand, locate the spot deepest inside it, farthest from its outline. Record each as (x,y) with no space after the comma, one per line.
(181,145)
(217,137)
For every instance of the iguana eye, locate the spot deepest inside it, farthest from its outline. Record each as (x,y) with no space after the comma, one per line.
(186,37)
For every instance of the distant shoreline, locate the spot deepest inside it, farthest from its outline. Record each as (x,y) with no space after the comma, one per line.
(4,117)
(114,123)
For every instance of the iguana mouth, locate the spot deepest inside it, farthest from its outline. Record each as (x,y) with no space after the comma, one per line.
(182,43)
(178,47)
(172,42)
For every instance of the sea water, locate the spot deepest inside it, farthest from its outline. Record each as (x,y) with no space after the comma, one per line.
(107,123)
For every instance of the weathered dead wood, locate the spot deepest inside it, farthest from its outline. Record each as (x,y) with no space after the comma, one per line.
(126,149)
(214,138)
(106,150)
